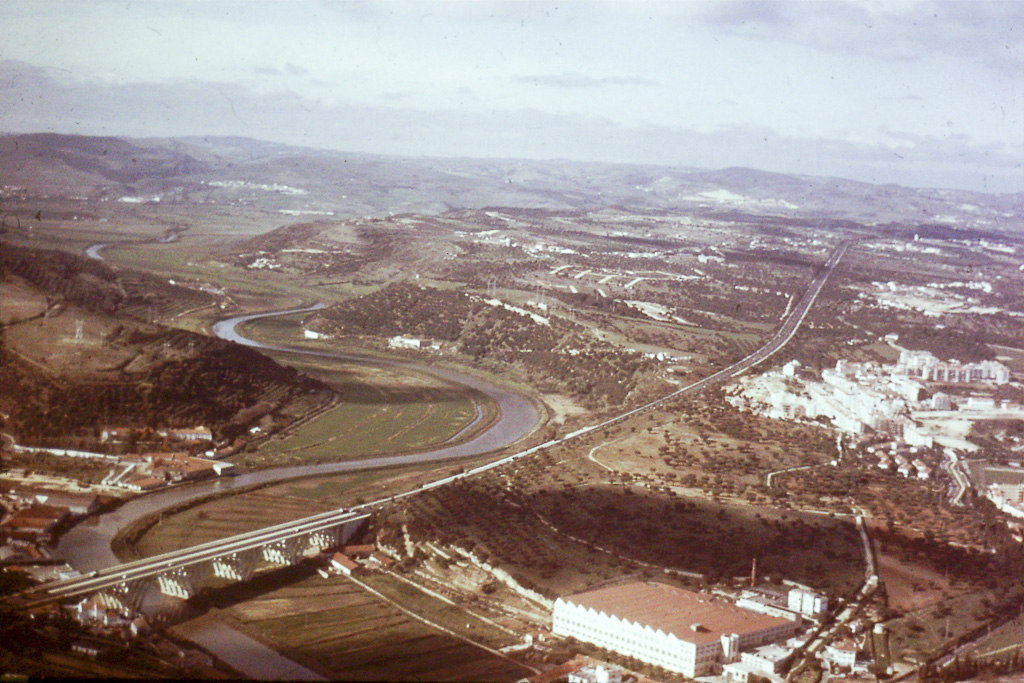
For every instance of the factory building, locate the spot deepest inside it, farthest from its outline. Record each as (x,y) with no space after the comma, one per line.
(689,633)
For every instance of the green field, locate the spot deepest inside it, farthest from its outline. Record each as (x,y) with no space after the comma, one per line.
(382,409)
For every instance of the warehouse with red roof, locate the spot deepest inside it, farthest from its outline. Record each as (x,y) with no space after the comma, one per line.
(679,630)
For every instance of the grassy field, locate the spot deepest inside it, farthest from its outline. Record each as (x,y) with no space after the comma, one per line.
(1010,357)
(383,409)
(449,616)
(1007,636)
(885,353)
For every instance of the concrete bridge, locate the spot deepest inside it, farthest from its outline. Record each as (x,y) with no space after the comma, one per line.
(181,573)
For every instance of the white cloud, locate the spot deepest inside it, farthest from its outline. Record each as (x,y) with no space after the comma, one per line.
(834,72)
(988,33)
(35,101)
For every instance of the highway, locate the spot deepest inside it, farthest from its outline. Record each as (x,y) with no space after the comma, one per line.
(951,463)
(772,346)
(107,578)
(779,339)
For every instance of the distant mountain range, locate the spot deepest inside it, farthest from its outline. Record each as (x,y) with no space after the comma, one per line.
(319,182)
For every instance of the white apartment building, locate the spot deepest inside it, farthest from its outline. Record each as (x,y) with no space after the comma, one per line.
(807,602)
(676,629)
(1006,492)
(842,654)
(926,366)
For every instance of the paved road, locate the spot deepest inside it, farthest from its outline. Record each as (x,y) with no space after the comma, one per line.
(780,339)
(952,464)
(772,346)
(87,546)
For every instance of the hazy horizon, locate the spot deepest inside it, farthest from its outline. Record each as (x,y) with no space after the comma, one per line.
(921,94)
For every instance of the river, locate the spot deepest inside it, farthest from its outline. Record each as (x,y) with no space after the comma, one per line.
(87,546)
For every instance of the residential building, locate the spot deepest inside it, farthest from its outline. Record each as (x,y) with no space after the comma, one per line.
(190,434)
(34,523)
(76,503)
(926,366)
(116,434)
(768,658)
(842,654)
(401,342)
(596,673)
(359,550)
(757,603)
(142,483)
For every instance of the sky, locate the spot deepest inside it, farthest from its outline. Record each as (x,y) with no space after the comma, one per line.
(927,94)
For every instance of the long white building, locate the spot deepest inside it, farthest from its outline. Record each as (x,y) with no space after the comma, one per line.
(926,366)
(676,629)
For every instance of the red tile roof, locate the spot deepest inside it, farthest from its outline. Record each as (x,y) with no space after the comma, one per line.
(146,483)
(35,517)
(344,561)
(693,617)
(560,671)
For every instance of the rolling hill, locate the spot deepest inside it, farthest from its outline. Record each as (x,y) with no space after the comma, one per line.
(324,182)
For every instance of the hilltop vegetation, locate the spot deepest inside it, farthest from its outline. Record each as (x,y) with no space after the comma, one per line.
(83,360)
(95,286)
(548,350)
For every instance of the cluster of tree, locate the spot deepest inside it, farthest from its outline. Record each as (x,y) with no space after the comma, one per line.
(718,541)
(215,384)
(483,519)
(1001,570)
(86,282)
(282,238)
(510,525)
(557,351)
(402,308)
(94,285)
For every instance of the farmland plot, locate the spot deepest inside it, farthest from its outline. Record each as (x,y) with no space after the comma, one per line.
(342,632)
